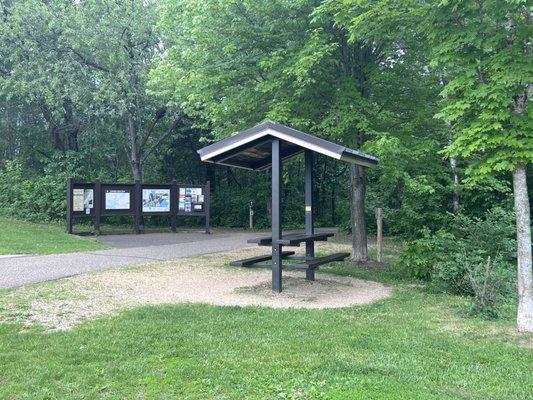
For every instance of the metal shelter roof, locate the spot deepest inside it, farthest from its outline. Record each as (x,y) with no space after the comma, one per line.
(251,148)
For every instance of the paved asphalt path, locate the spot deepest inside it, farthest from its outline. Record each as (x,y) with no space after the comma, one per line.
(126,250)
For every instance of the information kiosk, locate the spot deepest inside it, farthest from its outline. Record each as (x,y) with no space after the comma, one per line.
(95,200)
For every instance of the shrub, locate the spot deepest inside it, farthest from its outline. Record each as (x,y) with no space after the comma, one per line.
(36,197)
(475,257)
(492,282)
(420,256)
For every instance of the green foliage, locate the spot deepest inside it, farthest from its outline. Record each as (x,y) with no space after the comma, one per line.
(314,69)
(355,72)
(485,53)
(37,197)
(84,87)
(420,255)
(492,283)
(413,189)
(474,257)
(50,75)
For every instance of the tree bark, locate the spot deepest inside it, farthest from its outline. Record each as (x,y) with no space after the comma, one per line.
(52,130)
(72,128)
(456,201)
(333,204)
(456,182)
(135,151)
(357,213)
(523,227)
(64,133)
(523,236)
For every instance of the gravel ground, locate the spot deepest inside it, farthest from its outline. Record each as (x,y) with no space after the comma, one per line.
(207,279)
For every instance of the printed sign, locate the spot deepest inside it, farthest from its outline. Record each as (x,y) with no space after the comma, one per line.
(117,199)
(82,199)
(190,200)
(77,199)
(88,199)
(156,200)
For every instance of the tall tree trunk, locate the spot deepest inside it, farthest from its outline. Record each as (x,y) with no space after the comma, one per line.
(456,182)
(72,127)
(523,227)
(136,171)
(453,165)
(53,129)
(357,213)
(56,139)
(523,236)
(135,151)
(64,133)
(333,204)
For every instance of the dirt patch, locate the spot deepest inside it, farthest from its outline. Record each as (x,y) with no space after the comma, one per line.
(327,291)
(208,279)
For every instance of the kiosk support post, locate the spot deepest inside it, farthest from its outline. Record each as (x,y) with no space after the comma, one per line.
(207,204)
(173,205)
(70,187)
(276,216)
(137,207)
(97,205)
(309,228)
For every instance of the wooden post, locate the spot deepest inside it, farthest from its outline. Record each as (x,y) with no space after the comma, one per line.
(70,193)
(174,196)
(251,214)
(137,207)
(309,227)
(98,204)
(276,216)
(379,238)
(207,203)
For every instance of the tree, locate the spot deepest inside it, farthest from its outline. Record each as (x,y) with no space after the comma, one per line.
(485,47)
(83,63)
(236,63)
(36,71)
(118,43)
(366,54)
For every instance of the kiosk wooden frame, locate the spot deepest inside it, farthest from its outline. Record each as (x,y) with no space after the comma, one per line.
(98,208)
(266,146)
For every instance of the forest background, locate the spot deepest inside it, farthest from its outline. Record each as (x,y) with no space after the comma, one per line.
(122,90)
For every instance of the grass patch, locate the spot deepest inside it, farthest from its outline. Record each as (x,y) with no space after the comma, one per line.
(412,346)
(21,237)
(415,345)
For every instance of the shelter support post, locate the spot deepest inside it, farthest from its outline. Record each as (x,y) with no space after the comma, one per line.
(276,215)
(309,227)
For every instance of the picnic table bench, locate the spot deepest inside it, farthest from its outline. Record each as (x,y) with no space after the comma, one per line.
(291,239)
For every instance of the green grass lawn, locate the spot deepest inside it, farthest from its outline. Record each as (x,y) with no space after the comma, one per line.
(415,345)
(20,237)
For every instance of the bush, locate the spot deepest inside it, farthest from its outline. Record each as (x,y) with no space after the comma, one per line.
(420,256)
(492,282)
(475,257)
(36,197)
